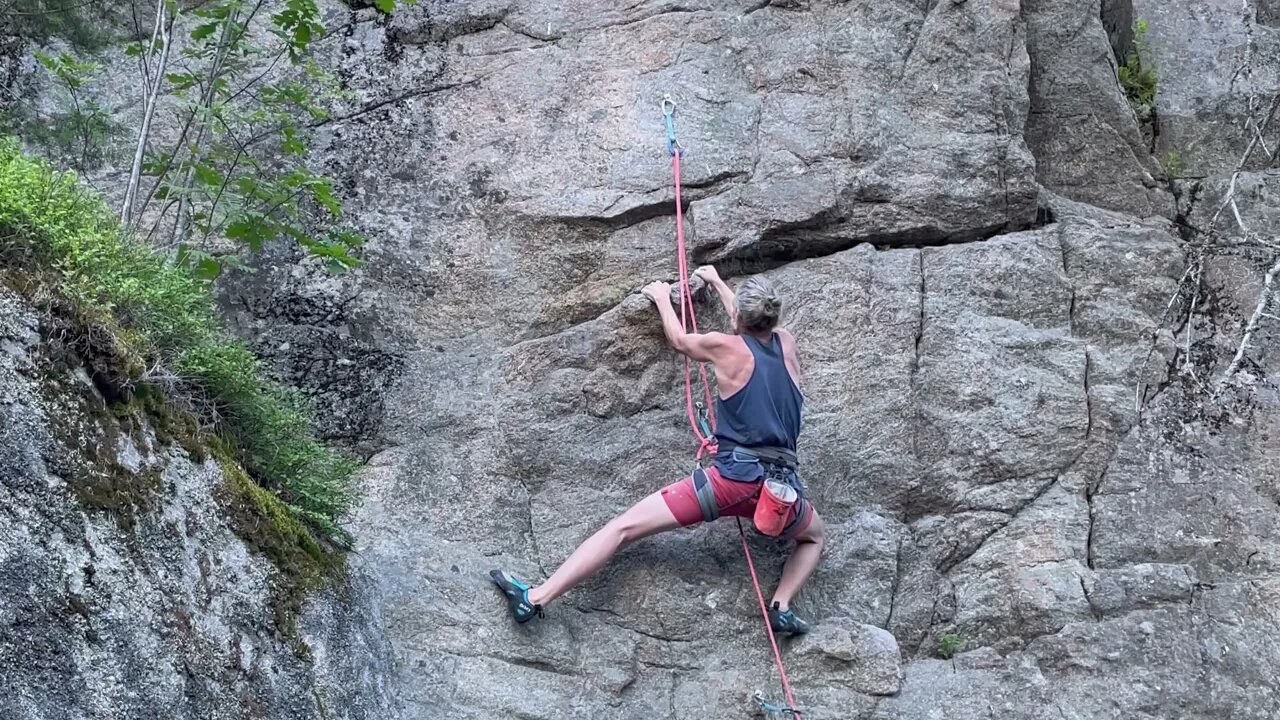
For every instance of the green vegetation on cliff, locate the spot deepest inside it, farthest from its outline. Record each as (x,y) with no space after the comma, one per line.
(1138,77)
(164,336)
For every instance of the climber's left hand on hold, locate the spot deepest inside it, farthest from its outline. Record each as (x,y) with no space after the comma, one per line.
(658,291)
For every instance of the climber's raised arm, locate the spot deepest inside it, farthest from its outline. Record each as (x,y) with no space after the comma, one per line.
(698,346)
(712,278)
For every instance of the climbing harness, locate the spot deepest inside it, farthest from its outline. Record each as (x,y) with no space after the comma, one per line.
(702,419)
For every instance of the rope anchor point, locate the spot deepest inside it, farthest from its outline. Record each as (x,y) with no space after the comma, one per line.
(668,112)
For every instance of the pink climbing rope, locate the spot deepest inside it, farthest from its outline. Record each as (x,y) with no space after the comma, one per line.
(689,322)
(764,612)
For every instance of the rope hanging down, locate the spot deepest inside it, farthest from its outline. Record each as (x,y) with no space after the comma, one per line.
(706,440)
(702,426)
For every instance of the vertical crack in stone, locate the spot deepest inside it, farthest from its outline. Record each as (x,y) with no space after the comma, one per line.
(1071,304)
(1091,487)
(911,48)
(897,581)
(1091,538)
(1088,402)
(915,364)
(1093,610)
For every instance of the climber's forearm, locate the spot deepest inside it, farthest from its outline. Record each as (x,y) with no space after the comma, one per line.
(670,323)
(726,298)
(697,346)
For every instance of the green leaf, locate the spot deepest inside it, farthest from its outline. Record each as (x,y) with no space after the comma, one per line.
(208,176)
(182,81)
(155,164)
(207,269)
(293,145)
(205,31)
(322,191)
(239,230)
(349,238)
(251,230)
(221,11)
(385,6)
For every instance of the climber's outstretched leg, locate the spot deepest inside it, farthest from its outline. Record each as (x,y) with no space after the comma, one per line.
(801,564)
(647,517)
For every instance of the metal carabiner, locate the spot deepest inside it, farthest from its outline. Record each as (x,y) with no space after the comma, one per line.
(668,112)
(704,419)
(773,711)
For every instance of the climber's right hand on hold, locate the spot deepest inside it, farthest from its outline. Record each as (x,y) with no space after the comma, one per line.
(711,277)
(708,274)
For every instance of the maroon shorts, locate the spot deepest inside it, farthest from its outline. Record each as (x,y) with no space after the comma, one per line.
(732,498)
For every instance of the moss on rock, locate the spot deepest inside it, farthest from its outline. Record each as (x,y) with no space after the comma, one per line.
(267,526)
(95,398)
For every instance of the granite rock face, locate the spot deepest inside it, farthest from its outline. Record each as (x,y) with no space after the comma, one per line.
(1016,424)
(125,591)
(969,223)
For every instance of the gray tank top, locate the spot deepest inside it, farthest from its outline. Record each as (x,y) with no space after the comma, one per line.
(767,411)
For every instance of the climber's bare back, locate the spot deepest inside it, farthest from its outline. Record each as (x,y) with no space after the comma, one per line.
(733,360)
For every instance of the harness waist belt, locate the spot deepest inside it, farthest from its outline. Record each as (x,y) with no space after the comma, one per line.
(764,453)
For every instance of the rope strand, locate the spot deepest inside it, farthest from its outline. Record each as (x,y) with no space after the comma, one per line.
(689,322)
(768,628)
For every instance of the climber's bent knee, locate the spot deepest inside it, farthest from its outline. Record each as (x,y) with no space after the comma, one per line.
(810,528)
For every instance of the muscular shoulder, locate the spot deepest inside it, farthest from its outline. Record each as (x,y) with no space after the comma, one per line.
(719,339)
(788,340)
(710,347)
(724,346)
(790,354)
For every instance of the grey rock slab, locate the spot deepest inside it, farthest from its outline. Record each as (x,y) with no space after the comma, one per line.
(1217,67)
(1084,136)
(862,657)
(999,430)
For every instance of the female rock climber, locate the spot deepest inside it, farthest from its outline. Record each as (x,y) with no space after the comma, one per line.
(758,414)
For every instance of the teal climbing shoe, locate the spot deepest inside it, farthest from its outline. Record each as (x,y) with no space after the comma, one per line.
(517,595)
(785,621)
